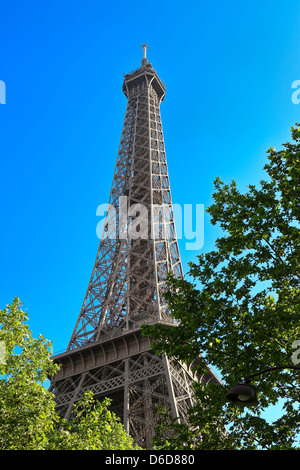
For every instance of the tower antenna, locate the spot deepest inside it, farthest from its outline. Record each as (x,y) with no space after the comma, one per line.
(145,47)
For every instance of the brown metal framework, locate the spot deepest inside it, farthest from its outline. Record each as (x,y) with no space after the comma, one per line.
(106,352)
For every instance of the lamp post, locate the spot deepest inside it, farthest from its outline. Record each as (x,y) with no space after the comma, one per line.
(245,394)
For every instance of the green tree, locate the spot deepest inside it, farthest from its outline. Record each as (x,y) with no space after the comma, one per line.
(28,419)
(240,312)
(92,427)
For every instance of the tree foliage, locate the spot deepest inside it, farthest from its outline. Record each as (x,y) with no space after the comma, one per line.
(92,427)
(28,419)
(241,310)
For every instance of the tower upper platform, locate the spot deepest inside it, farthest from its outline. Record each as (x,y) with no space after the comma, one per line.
(144,76)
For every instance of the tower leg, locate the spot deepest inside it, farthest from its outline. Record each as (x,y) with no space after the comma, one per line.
(137,384)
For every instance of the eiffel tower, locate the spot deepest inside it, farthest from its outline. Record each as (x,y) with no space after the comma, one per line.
(107,353)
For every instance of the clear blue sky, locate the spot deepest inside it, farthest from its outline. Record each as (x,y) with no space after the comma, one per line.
(228,69)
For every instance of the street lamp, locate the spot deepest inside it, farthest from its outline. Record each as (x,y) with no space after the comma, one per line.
(245,394)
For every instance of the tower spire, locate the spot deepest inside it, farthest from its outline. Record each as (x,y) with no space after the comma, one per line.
(144,59)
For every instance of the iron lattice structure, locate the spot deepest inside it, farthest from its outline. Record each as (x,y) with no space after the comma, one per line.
(107,353)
